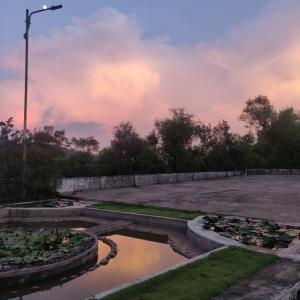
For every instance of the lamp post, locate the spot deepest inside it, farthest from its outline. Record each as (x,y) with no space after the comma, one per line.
(26,37)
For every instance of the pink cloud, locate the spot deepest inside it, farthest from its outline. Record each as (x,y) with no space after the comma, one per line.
(101,70)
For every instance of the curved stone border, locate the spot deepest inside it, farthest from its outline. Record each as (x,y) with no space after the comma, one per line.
(104,261)
(112,254)
(113,249)
(209,238)
(28,275)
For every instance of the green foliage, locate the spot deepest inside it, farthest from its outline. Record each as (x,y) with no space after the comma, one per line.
(48,159)
(88,144)
(201,279)
(176,135)
(252,232)
(11,161)
(24,247)
(258,113)
(42,170)
(128,154)
(282,140)
(221,149)
(79,164)
(278,141)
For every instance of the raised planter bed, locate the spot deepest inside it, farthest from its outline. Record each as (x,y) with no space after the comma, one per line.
(252,232)
(43,254)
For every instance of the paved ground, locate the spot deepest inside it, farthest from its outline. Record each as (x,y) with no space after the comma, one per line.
(272,197)
(271,283)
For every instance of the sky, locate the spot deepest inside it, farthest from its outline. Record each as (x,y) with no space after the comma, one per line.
(96,63)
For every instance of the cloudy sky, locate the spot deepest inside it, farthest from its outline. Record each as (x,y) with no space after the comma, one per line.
(96,63)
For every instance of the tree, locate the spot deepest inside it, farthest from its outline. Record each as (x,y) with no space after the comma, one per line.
(128,154)
(43,167)
(88,144)
(79,164)
(280,143)
(176,136)
(126,140)
(11,162)
(152,139)
(6,130)
(221,149)
(258,113)
(45,153)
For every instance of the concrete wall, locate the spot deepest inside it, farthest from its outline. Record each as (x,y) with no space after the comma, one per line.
(44,213)
(110,182)
(146,179)
(69,185)
(272,172)
(182,177)
(4,213)
(167,178)
(58,213)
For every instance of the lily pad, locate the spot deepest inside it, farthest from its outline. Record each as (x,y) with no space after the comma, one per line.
(28,247)
(261,233)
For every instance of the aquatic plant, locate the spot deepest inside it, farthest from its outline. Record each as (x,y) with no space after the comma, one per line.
(262,233)
(35,247)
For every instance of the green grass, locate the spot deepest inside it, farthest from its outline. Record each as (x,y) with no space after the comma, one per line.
(199,280)
(148,210)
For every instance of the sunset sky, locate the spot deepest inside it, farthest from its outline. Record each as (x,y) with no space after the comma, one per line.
(96,63)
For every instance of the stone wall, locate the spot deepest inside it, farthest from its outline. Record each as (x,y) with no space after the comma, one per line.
(110,182)
(70,185)
(146,179)
(167,178)
(272,172)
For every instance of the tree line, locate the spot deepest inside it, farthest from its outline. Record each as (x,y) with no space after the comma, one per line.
(178,143)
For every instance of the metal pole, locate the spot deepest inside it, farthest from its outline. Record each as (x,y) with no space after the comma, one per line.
(26,37)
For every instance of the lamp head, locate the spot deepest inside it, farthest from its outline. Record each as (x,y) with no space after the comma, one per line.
(54,7)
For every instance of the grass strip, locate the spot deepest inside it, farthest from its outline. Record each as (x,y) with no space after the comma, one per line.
(148,210)
(199,280)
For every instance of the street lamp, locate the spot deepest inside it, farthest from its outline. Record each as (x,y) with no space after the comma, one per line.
(26,37)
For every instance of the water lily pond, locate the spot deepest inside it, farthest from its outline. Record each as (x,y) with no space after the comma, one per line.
(34,247)
(137,257)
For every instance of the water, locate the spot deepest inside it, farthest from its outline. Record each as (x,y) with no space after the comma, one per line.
(136,258)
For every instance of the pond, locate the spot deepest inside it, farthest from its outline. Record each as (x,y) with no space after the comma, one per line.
(137,257)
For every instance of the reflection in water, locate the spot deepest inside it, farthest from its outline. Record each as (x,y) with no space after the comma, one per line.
(136,258)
